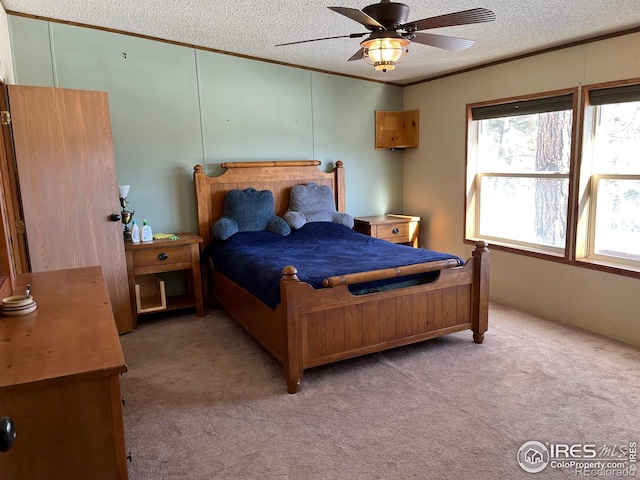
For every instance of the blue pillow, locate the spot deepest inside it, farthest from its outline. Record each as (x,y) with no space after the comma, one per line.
(248,210)
(314,203)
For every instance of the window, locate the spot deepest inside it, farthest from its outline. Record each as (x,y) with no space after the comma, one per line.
(611,176)
(538,184)
(518,172)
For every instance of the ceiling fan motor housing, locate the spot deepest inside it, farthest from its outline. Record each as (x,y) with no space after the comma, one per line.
(389,14)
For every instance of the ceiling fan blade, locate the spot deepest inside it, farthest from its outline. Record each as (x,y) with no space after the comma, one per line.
(353,35)
(453,44)
(360,17)
(357,55)
(465,17)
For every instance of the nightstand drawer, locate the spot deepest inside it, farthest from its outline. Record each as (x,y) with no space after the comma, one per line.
(161,256)
(394,232)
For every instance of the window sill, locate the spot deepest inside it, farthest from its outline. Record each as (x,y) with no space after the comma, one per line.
(589,263)
(520,249)
(610,267)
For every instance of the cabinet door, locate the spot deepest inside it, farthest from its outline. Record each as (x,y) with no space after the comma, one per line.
(68,189)
(67,430)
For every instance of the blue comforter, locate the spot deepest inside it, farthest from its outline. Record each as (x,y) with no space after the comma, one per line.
(254,260)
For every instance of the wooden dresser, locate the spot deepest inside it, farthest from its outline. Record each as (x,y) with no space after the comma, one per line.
(60,372)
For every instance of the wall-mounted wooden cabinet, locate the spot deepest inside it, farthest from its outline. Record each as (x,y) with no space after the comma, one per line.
(397,129)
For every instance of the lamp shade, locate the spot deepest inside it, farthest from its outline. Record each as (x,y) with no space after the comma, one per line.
(385,52)
(123,190)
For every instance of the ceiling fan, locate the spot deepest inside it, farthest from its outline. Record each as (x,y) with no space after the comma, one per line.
(391,33)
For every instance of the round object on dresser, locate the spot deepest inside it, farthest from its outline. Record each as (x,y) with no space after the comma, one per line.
(17,301)
(17,305)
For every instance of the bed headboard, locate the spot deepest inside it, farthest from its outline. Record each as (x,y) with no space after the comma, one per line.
(278,177)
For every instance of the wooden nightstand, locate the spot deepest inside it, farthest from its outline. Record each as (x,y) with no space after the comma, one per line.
(167,255)
(394,228)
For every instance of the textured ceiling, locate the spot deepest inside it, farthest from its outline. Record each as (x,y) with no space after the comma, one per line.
(254,27)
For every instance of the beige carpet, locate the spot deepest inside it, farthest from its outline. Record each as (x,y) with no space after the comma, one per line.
(205,401)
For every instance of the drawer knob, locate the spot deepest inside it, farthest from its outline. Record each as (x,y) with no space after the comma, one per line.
(7,434)
(395,231)
(163,256)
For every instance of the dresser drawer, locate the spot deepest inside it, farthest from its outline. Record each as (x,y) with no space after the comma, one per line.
(394,232)
(161,256)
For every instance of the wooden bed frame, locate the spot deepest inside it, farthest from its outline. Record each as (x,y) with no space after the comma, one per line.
(312,327)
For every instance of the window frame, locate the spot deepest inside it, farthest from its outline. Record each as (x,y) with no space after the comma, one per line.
(593,200)
(582,193)
(472,179)
(551,250)
(587,200)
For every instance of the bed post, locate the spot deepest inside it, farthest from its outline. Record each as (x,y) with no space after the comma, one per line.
(292,358)
(202,212)
(480,292)
(339,187)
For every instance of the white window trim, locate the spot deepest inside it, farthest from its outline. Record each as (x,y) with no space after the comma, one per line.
(593,201)
(509,242)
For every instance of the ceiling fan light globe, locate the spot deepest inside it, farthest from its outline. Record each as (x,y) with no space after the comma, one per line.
(384,53)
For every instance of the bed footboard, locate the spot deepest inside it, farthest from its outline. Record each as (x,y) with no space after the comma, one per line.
(331,324)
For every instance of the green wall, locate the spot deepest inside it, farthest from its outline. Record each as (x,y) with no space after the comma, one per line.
(173,107)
